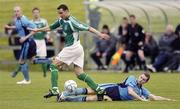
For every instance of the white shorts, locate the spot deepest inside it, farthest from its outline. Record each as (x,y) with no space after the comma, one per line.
(72,54)
(41,48)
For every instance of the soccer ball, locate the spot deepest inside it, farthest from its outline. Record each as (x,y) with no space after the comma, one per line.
(70,86)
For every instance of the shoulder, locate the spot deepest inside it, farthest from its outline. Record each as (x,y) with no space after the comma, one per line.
(73,19)
(131,80)
(132,77)
(42,19)
(25,18)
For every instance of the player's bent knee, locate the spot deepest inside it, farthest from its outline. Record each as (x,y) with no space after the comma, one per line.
(57,63)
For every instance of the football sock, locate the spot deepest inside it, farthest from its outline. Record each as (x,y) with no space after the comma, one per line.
(25,71)
(18,68)
(84,77)
(54,75)
(44,68)
(13,74)
(77,91)
(76,99)
(55,90)
(42,60)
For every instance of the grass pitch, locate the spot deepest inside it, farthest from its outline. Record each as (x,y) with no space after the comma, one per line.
(14,96)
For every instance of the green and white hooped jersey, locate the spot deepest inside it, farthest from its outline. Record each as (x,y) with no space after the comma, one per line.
(71,27)
(40,24)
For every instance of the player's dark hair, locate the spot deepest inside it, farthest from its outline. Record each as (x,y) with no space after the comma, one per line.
(132,15)
(105,27)
(147,74)
(125,18)
(35,8)
(63,6)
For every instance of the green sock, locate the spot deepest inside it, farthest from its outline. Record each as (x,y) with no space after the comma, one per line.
(54,75)
(44,68)
(88,80)
(18,68)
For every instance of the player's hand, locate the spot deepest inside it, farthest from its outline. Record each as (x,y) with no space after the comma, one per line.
(98,54)
(170,99)
(35,30)
(104,54)
(104,36)
(7,26)
(145,100)
(140,43)
(22,39)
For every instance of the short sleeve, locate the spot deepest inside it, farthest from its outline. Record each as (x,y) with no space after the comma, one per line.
(76,25)
(145,93)
(130,81)
(55,25)
(28,23)
(45,22)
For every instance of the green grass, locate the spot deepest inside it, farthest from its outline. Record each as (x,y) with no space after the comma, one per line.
(30,96)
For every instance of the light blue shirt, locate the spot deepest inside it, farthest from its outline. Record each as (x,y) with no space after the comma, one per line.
(132,82)
(23,21)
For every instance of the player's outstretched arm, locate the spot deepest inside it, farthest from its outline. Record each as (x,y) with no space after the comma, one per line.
(99,34)
(135,95)
(41,29)
(23,39)
(159,98)
(10,27)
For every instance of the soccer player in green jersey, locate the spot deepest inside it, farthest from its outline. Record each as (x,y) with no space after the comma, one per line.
(73,51)
(39,37)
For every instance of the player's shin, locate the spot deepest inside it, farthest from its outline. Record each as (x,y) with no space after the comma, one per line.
(84,77)
(25,71)
(13,74)
(76,99)
(78,91)
(42,60)
(44,68)
(54,78)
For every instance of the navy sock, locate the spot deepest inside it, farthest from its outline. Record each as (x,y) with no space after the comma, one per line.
(76,99)
(42,61)
(78,91)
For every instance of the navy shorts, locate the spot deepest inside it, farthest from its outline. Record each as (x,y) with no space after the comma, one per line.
(28,49)
(113,93)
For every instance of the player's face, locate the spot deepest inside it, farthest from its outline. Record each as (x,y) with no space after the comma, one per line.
(142,79)
(132,20)
(105,31)
(17,11)
(36,13)
(124,23)
(63,14)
